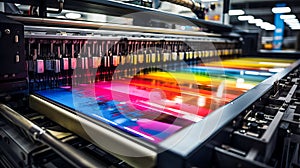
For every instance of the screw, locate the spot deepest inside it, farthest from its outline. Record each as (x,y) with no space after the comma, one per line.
(7,31)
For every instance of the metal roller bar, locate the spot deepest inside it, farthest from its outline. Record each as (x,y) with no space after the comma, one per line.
(103,26)
(70,154)
(40,30)
(110,38)
(96,34)
(98,37)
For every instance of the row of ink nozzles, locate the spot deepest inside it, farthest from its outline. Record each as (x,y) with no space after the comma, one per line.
(56,62)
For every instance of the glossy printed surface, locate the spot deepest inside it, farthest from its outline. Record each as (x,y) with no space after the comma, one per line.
(154,106)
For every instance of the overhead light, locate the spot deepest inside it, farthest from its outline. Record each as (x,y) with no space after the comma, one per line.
(294,22)
(264,24)
(268,26)
(259,24)
(236,12)
(17,4)
(285,17)
(291,21)
(255,21)
(251,21)
(281,10)
(259,21)
(245,18)
(293,25)
(73,15)
(295,28)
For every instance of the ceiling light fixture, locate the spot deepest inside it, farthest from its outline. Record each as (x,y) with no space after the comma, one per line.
(251,21)
(245,18)
(286,17)
(264,24)
(281,10)
(259,24)
(255,21)
(268,26)
(236,12)
(294,25)
(73,15)
(295,28)
(291,21)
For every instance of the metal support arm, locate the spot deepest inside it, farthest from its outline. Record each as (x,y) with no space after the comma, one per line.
(194,6)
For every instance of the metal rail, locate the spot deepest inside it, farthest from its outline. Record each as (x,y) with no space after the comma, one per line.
(76,33)
(104,26)
(70,154)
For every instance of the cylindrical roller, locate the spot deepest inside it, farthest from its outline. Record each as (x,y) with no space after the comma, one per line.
(70,154)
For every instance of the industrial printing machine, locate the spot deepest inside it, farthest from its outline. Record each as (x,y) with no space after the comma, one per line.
(91,94)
